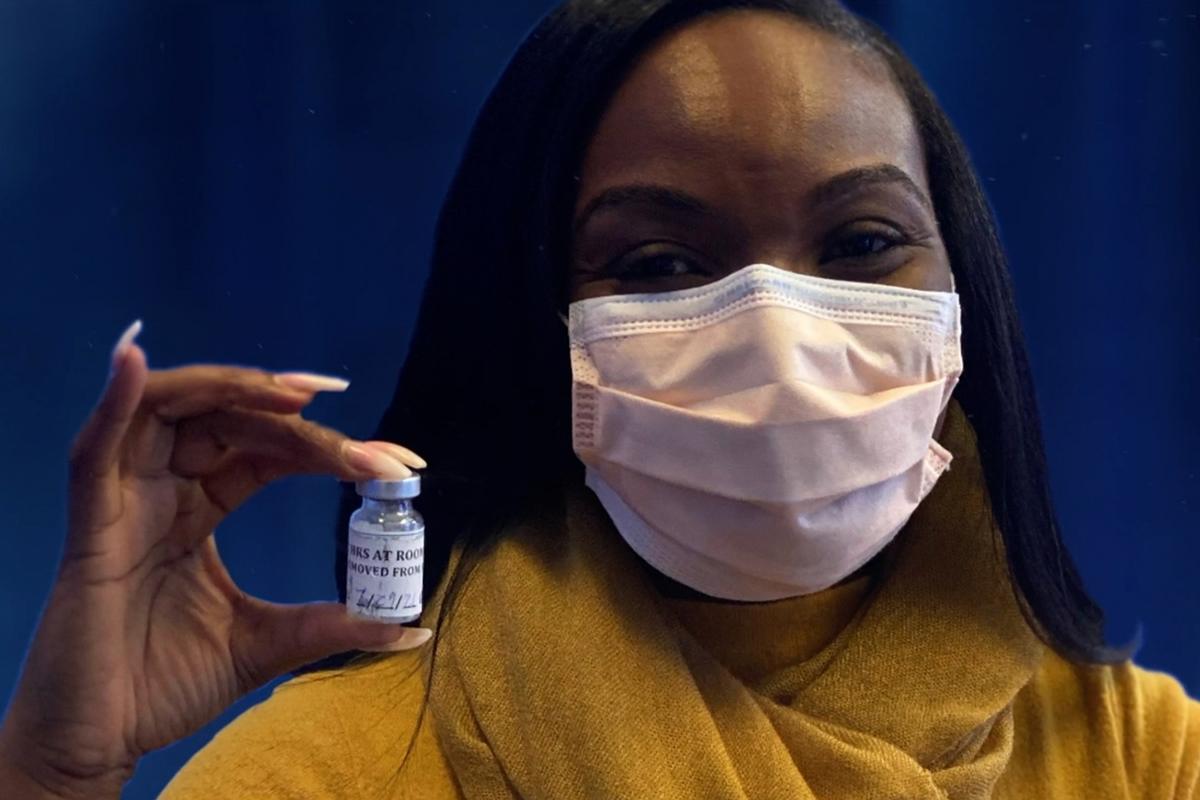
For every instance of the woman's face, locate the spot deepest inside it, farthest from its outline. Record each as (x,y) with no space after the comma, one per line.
(749,137)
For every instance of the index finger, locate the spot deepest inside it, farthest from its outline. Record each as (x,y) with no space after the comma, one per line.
(192,390)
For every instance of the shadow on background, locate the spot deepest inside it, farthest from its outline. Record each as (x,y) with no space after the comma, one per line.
(260,183)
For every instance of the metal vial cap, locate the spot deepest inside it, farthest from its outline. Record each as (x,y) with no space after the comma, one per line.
(380,489)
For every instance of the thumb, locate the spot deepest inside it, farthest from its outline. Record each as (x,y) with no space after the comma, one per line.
(281,637)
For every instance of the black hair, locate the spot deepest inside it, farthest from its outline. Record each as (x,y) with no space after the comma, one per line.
(484,393)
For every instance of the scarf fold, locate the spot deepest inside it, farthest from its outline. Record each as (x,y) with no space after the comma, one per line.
(563,671)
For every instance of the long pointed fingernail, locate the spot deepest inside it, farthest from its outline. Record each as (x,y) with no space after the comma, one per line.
(126,339)
(311,382)
(403,453)
(412,637)
(122,346)
(370,459)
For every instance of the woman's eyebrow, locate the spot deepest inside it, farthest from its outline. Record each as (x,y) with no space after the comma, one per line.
(677,200)
(642,194)
(856,179)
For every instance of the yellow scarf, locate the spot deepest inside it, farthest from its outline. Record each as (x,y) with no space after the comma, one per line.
(565,673)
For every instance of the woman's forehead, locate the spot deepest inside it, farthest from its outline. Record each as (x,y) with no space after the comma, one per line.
(750,96)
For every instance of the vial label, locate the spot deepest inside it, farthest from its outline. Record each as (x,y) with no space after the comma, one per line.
(383,574)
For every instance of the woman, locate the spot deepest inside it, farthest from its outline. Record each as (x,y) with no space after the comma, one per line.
(774,263)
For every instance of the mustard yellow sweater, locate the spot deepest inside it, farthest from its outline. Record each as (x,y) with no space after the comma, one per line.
(1080,732)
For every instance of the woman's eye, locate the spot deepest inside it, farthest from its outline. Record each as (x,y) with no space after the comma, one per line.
(863,244)
(660,265)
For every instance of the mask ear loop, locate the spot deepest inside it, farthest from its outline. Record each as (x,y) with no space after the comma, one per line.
(953,285)
(564,319)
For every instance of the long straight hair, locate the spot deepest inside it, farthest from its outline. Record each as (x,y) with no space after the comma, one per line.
(485,391)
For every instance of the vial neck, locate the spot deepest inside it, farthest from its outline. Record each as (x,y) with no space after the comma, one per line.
(392,506)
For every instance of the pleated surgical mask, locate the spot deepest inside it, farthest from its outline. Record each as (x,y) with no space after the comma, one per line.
(765,435)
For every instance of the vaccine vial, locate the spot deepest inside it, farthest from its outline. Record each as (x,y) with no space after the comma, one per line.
(386,551)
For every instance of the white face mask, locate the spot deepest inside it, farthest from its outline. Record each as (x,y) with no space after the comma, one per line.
(762,436)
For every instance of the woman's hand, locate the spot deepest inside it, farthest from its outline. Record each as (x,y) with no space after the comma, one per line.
(145,637)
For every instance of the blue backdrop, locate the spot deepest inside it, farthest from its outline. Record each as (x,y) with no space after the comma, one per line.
(259,183)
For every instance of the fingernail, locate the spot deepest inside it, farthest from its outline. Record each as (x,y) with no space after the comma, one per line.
(311,382)
(371,460)
(122,347)
(403,453)
(125,340)
(412,637)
